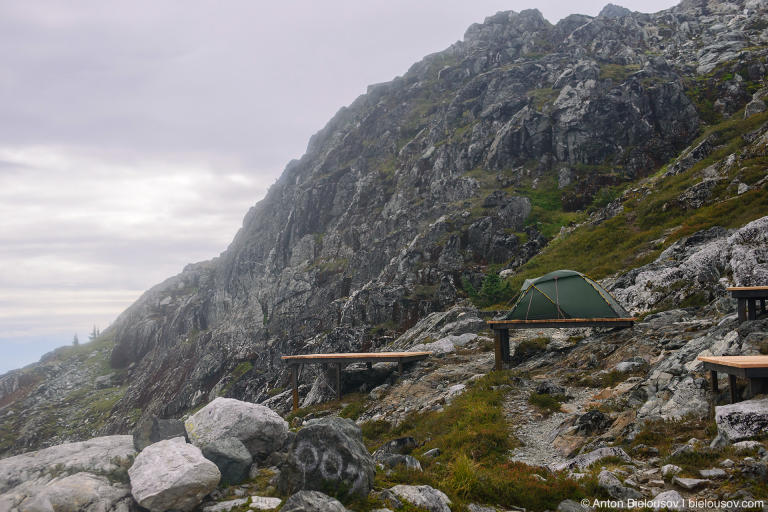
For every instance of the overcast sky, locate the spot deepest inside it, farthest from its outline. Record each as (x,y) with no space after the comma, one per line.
(136,134)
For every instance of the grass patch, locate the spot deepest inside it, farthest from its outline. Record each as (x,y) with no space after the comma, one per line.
(663,434)
(237,374)
(547,403)
(616,72)
(474,439)
(543,97)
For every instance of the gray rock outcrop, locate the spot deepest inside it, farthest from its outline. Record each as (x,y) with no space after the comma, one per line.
(153,429)
(231,457)
(328,454)
(697,263)
(423,496)
(671,500)
(172,475)
(97,467)
(81,492)
(585,460)
(612,486)
(742,420)
(312,501)
(259,428)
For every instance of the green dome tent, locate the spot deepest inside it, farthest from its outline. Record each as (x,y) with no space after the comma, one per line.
(564,294)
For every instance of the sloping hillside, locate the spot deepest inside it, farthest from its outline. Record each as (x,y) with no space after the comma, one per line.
(592,144)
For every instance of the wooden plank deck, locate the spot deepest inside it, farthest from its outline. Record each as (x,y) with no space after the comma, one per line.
(751,301)
(737,361)
(501,330)
(342,359)
(563,322)
(752,368)
(356,357)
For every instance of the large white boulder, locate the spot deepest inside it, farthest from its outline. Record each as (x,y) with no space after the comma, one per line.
(100,455)
(259,428)
(44,473)
(81,492)
(172,475)
(742,419)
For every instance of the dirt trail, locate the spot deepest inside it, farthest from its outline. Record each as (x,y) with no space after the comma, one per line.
(537,432)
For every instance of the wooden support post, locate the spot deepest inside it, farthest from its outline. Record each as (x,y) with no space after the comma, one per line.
(713,378)
(400,367)
(732,387)
(295,385)
(369,365)
(762,306)
(498,354)
(751,309)
(338,381)
(742,309)
(757,386)
(504,338)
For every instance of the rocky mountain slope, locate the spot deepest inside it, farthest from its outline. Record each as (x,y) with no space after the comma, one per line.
(597,144)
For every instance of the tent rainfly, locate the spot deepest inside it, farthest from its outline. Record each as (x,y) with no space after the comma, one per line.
(564,294)
(563,298)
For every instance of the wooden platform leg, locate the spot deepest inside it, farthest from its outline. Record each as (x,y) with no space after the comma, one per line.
(505,345)
(295,385)
(338,381)
(713,378)
(751,309)
(400,367)
(757,387)
(762,306)
(498,355)
(732,387)
(742,309)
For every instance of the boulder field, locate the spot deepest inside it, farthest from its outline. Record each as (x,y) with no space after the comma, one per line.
(108,474)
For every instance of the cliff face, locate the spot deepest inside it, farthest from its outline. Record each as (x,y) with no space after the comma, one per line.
(469,162)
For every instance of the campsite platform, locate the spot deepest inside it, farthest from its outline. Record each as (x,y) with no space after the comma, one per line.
(752,368)
(501,330)
(751,301)
(339,360)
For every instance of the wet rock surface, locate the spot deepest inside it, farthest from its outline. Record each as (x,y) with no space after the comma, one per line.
(231,457)
(328,454)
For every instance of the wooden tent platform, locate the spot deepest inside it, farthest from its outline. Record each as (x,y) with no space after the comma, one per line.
(340,360)
(501,330)
(751,301)
(752,368)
